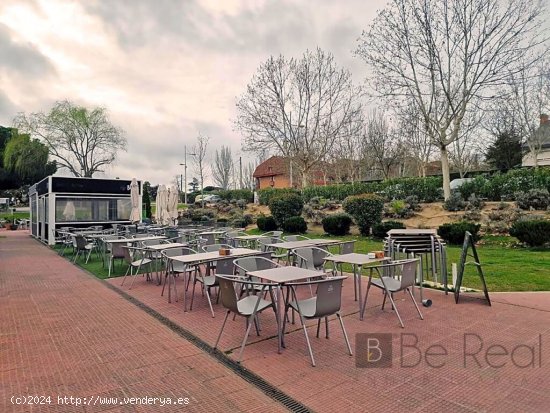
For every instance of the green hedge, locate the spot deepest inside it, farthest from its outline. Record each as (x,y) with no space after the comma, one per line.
(426,189)
(265,195)
(502,187)
(266,223)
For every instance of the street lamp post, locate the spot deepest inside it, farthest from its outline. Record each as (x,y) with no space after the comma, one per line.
(184,164)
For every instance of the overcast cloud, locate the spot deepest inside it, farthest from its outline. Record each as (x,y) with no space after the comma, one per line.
(165,69)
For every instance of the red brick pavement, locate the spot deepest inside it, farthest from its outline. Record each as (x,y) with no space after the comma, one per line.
(64,333)
(336,384)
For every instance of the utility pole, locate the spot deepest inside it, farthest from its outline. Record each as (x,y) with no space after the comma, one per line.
(184,164)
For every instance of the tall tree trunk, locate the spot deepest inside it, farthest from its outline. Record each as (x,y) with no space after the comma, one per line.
(445,172)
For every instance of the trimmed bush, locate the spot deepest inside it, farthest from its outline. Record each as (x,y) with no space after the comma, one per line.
(337,224)
(380,229)
(534,233)
(365,209)
(266,224)
(286,206)
(295,225)
(454,233)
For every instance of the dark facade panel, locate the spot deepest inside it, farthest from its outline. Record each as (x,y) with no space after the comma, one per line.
(91,186)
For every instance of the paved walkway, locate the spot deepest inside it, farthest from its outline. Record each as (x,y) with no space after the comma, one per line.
(64,333)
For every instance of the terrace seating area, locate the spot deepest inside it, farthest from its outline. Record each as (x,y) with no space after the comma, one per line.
(298,327)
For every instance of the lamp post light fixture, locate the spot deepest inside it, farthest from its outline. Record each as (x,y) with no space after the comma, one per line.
(184,178)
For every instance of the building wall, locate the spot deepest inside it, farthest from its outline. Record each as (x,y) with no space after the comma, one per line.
(279,181)
(543,159)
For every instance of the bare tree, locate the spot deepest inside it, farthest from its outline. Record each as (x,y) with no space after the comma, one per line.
(199,160)
(248,178)
(445,53)
(466,152)
(384,144)
(222,168)
(418,142)
(298,108)
(345,157)
(528,98)
(80,139)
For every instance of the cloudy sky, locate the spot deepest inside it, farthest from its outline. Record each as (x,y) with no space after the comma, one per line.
(165,69)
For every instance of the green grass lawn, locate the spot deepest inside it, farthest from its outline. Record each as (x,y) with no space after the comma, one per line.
(16,215)
(95,264)
(506,267)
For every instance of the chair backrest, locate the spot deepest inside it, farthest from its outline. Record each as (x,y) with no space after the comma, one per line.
(117,251)
(329,296)
(264,243)
(408,274)
(228,294)
(311,257)
(209,239)
(172,252)
(347,247)
(215,247)
(80,242)
(256,263)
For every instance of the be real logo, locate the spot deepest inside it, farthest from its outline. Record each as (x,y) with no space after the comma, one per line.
(376,350)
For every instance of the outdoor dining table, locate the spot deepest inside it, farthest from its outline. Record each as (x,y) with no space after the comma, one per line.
(280,276)
(204,258)
(358,261)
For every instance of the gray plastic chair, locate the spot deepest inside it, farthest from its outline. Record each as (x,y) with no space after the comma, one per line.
(276,234)
(174,268)
(264,244)
(347,247)
(396,276)
(81,245)
(248,307)
(326,302)
(135,258)
(311,258)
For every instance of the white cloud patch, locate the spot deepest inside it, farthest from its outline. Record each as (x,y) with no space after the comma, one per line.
(165,69)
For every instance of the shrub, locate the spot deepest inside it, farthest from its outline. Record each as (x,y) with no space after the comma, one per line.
(285,206)
(337,224)
(197,214)
(380,229)
(534,233)
(534,198)
(474,202)
(454,233)
(238,222)
(413,202)
(295,225)
(365,209)
(266,224)
(265,195)
(455,202)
